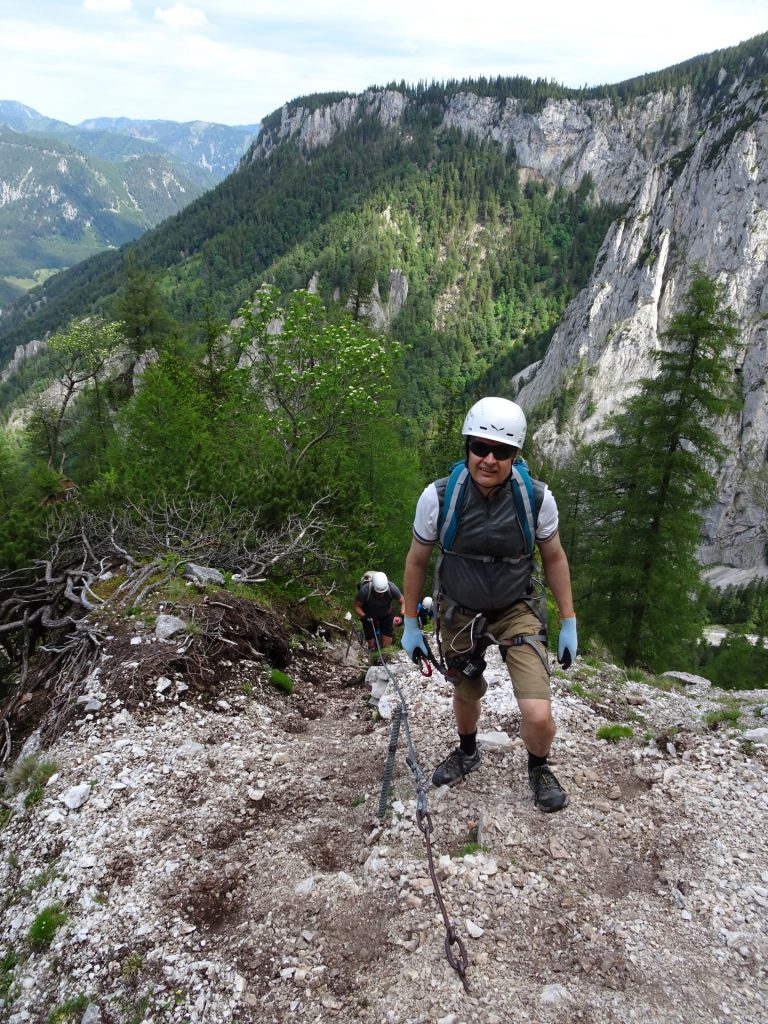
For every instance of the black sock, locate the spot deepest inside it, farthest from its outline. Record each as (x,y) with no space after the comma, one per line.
(534,761)
(468,742)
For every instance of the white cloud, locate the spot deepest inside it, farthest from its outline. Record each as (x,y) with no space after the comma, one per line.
(180,16)
(108,6)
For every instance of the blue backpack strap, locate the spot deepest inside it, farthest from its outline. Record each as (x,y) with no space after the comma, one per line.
(525,502)
(523,492)
(448,518)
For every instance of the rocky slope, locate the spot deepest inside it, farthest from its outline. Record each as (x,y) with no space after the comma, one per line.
(219,857)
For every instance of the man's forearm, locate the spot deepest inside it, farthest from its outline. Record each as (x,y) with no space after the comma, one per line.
(559,581)
(414,576)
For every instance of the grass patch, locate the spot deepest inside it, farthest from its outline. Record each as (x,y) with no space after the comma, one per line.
(591,661)
(7,967)
(472,847)
(636,675)
(32,773)
(665,683)
(45,926)
(71,1010)
(714,719)
(132,965)
(41,879)
(281,680)
(613,733)
(134,1012)
(581,691)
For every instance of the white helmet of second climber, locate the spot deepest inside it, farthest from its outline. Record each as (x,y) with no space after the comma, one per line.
(380,582)
(426,604)
(498,419)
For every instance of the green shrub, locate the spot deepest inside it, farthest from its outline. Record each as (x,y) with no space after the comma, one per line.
(613,733)
(281,680)
(45,925)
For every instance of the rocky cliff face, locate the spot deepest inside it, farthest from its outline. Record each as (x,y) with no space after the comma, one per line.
(692,169)
(706,205)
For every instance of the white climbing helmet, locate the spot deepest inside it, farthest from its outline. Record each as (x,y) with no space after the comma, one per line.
(497,419)
(426,604)
(380,582)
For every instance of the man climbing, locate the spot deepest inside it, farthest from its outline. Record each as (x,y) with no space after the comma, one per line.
(425,611)
(486,529)
(373,605)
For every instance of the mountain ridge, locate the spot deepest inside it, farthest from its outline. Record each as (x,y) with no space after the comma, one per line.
(667,156)
(133,175)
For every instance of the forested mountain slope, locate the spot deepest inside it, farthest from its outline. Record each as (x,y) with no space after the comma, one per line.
(59,205)
(496,204)
(71,191)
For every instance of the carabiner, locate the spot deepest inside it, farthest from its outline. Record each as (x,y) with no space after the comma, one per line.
(423,662)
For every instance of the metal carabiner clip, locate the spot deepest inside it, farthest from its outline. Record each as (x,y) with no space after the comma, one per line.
(423,661)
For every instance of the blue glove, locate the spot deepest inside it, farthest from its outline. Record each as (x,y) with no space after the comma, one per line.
(567,642)
(413,639)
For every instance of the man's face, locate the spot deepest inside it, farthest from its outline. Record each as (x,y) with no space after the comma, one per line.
(489,462)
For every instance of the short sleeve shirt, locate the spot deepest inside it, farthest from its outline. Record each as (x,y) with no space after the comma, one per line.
(428,510)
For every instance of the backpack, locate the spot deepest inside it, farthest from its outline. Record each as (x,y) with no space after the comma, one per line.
(523,493)
(366,580)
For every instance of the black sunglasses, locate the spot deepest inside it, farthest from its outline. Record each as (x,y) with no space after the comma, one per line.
(500,451)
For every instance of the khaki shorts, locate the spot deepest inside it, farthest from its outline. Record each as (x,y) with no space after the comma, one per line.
(527,664)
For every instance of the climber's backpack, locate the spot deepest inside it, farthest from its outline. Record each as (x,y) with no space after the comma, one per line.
(523,492)
(366,580)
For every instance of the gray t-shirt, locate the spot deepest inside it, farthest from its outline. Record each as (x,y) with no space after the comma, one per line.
(378,605)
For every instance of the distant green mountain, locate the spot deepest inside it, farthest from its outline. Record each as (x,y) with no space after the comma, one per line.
(213,149)
(71,191)
(58,206)
(202,151)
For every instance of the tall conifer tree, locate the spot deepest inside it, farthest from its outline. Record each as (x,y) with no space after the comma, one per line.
(656,475)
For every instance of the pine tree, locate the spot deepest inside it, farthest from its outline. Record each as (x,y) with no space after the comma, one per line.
(656,475)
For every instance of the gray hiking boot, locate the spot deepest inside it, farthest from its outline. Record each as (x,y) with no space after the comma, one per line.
(548,794)
(455,767)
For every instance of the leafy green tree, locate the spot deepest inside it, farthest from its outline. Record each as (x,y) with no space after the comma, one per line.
(185,431)
(641,588)
(79,355)
(25,483)
(314,374)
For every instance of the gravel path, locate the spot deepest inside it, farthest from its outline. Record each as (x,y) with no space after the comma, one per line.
(222,861)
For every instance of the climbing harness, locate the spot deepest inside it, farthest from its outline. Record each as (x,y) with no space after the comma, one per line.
(457,960)
(467,659)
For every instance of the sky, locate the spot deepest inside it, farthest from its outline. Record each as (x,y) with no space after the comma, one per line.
(235,61)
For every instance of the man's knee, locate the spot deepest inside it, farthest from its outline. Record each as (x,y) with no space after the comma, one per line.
(537,713)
